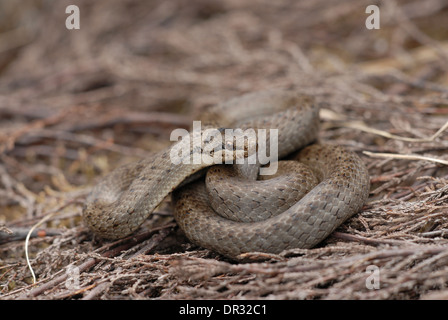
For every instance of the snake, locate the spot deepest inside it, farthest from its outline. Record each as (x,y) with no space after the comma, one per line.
(227,206)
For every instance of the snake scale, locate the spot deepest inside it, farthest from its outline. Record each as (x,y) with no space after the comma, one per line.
(226,208)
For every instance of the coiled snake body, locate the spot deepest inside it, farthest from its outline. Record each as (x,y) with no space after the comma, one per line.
(297,208)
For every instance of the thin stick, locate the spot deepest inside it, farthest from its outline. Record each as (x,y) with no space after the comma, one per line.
(404,156)
(361,126)
(27,239)
(41,221)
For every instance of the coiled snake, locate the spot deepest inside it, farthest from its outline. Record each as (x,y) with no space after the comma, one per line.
(296,208)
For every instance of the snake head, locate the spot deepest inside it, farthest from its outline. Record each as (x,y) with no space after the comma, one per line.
(227,145)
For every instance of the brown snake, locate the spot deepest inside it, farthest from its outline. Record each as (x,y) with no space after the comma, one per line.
(335,181)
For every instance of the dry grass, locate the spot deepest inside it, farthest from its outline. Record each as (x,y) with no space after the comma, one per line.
(76,104)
